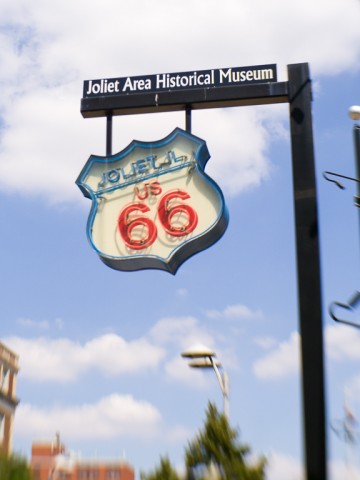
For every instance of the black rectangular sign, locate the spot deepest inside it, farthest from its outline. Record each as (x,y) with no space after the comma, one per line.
(220,77)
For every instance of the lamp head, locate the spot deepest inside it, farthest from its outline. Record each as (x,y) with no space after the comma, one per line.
(198,351)
(354,112)
(204,362)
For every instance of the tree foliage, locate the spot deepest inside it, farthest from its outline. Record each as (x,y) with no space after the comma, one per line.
(215,454)
(163,472)
(217,449)
(14,467)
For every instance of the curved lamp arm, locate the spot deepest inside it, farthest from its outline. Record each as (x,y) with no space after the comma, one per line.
(224,385)
(354,300)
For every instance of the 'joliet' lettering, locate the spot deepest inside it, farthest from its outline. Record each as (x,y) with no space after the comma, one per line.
(142,166)
(103,86)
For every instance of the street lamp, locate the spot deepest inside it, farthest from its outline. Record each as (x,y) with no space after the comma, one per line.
(354,114)
(203,357)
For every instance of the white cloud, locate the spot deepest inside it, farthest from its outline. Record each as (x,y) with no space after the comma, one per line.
(118,356)
(179,370)
(182,292)
(48,156)
(112,416)
(181,334)
(265,342)
(63,360)
(347,469)
(235,311)
(352,391)
(179,434)
(342,342)
(181,331)
(39,325)
(45,359)
(235,166)
(59,323)
(28,323)
(48,50)
(281,362)
(283,467)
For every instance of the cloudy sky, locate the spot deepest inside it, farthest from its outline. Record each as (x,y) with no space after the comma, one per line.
(100,349)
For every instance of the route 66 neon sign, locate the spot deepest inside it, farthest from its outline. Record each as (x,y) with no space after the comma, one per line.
(153,206)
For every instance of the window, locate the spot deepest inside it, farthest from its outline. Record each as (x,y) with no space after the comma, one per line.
(2,424)
(112,474)
(63,475)
(36,473)
(88,474)
(4,379)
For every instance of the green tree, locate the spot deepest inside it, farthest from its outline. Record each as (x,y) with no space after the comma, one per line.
(14,467)
(217,453)
(163,472)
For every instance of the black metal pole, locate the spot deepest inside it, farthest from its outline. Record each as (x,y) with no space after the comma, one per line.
(308,271)
(109,135)
(356,131)
(188,119)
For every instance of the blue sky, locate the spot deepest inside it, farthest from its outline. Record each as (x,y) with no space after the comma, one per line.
(100,349)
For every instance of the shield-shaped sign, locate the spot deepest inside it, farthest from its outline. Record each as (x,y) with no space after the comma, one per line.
(153,206)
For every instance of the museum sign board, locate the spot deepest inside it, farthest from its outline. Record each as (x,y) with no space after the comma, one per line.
(219,77)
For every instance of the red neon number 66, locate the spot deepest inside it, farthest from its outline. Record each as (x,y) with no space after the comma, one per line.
(176,218)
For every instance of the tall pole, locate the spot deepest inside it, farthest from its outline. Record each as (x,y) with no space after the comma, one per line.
(356,133)
(223,380)
(308,271)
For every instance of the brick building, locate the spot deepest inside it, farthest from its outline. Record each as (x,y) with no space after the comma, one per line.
(8,401)
(50,461)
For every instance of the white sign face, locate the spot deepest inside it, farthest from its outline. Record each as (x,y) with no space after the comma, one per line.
(152,204)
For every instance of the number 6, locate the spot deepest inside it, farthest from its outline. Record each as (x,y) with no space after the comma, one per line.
(168,211)
(127,224)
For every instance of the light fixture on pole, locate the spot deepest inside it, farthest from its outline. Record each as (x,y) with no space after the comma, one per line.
(354,114)
(204,357)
